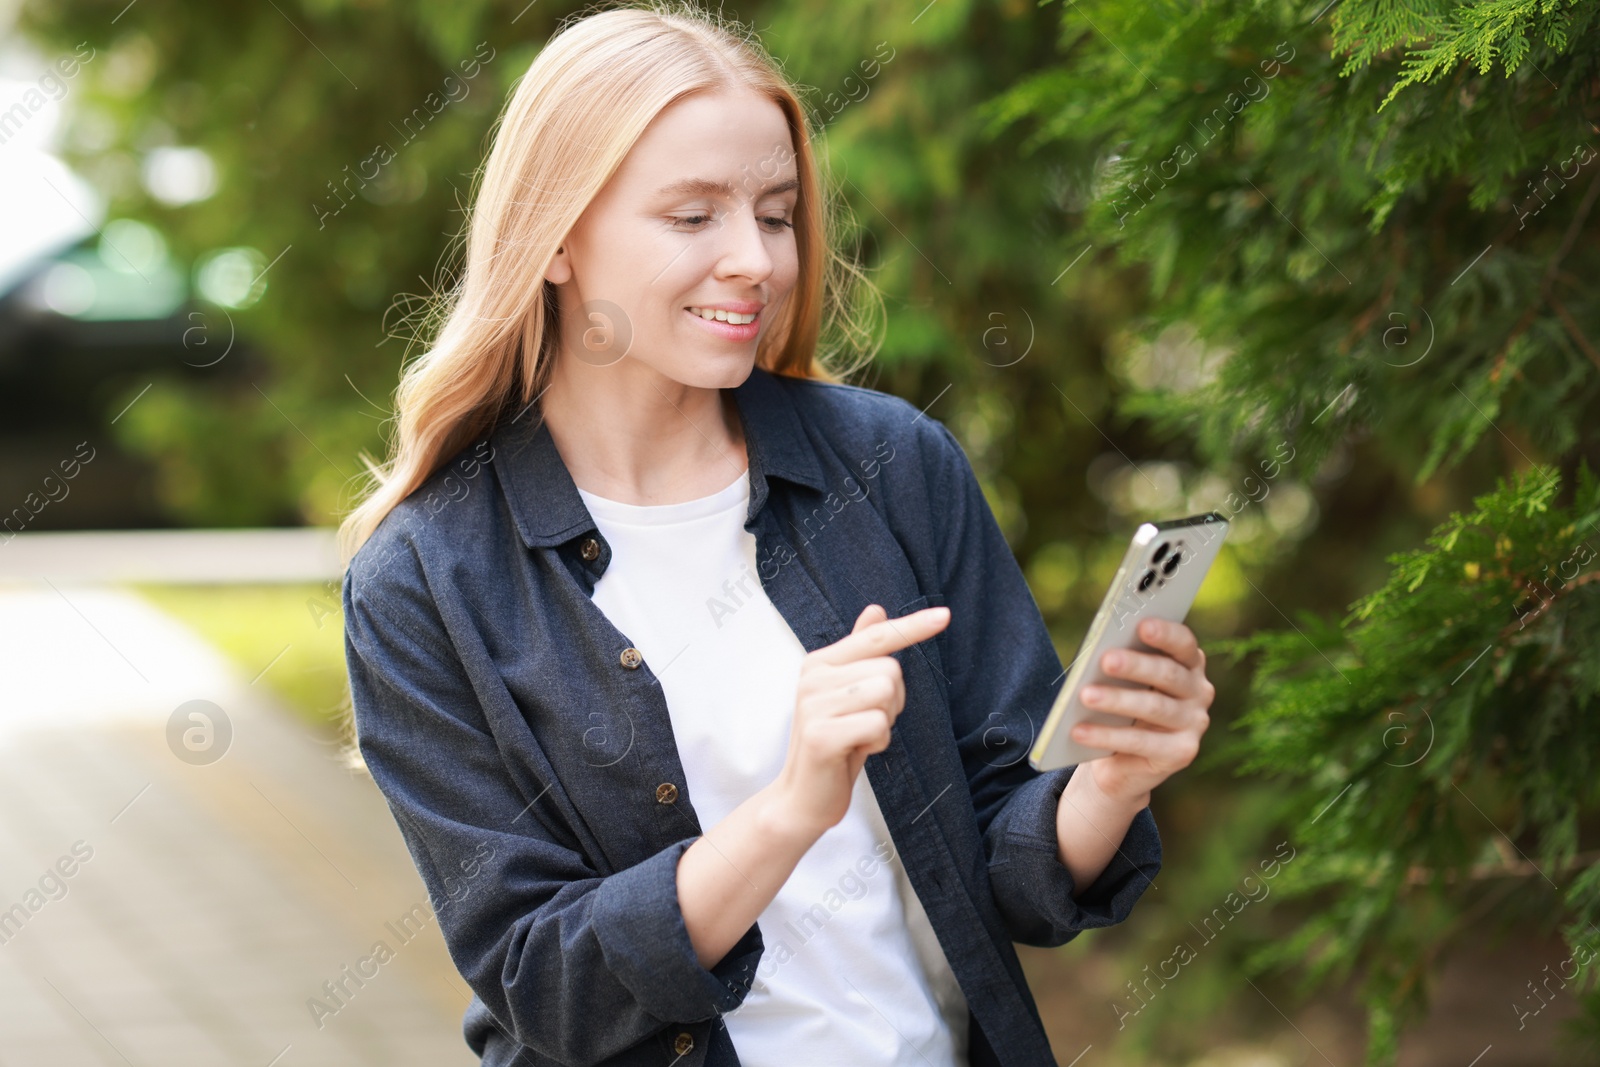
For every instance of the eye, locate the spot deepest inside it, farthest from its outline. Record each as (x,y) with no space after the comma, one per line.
(773,223)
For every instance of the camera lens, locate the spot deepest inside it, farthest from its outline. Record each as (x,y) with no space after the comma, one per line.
(1171,564)
(1162,551)
(1145,582)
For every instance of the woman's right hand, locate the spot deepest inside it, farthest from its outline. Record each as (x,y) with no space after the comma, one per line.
(848,697)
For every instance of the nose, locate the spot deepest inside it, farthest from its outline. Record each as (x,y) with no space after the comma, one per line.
(744,246)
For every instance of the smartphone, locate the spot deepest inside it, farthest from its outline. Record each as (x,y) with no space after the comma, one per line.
(1160,574)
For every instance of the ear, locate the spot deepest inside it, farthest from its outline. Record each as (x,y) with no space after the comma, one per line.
(559,271)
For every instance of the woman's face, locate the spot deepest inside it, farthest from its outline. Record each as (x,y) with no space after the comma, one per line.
(699,216)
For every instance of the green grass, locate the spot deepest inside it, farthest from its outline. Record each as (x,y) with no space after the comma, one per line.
(253,624)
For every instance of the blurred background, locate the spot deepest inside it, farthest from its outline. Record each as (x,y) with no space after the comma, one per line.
(1326,269)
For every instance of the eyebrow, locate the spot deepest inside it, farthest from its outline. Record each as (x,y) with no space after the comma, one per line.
(707,187)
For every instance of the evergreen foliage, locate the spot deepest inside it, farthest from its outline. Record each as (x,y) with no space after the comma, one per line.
(1377,219)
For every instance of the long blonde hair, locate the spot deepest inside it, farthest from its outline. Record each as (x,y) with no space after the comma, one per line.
(570,122)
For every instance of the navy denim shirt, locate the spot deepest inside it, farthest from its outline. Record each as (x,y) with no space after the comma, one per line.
(525,749)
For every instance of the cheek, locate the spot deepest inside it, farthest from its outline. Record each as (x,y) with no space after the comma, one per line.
(664,276)
(786,257)
(785,267)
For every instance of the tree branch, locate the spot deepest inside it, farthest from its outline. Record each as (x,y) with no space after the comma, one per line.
(1545,283)
(1574,330)
(1419,875)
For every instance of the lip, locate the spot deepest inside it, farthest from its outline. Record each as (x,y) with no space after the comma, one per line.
(746,331)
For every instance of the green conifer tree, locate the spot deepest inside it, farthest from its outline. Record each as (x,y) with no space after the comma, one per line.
(1377,218)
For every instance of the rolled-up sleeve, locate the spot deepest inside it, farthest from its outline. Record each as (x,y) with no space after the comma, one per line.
(1034,890)
(575,965)
(1003,672)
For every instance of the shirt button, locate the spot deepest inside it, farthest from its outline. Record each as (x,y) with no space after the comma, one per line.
(631,658)
(590,549)
(666,793)
(683,1044)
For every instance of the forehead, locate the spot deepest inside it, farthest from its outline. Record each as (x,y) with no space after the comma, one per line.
(727,144)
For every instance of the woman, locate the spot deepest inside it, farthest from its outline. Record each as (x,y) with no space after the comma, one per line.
(699,683)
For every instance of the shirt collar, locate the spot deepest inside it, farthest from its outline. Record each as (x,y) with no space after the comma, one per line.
(545,502)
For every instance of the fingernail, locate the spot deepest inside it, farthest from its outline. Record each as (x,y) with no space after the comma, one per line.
(1113,660)
(1091,696)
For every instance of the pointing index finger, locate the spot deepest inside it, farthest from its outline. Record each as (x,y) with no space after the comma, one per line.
(890,635)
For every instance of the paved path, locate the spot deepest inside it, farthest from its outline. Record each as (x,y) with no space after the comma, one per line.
(206,902)
(286,555)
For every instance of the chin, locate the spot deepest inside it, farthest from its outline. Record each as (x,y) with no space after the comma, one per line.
(717,372)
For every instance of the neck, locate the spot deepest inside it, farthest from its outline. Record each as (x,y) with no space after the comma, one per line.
(626,432)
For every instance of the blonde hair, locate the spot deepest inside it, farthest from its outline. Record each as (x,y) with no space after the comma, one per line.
(572,119)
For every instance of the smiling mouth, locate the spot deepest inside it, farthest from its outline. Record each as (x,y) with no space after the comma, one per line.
(732,318)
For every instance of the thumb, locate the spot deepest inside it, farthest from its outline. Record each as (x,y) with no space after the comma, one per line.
(870,614)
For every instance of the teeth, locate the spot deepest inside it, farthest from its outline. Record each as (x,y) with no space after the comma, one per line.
(722,316)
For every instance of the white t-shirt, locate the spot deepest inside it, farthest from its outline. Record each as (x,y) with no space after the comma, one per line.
(682,585)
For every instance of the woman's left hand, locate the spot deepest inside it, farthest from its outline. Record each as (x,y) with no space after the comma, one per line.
(1170,716)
